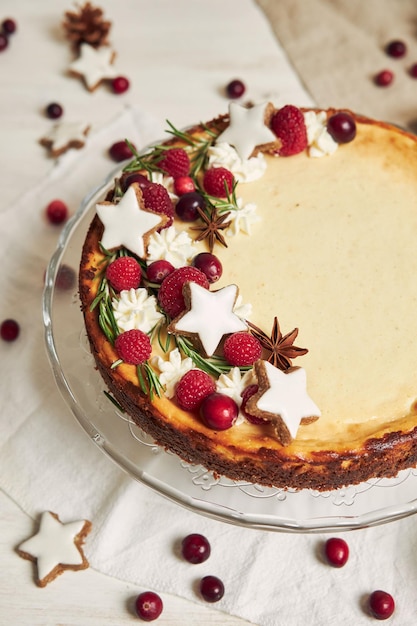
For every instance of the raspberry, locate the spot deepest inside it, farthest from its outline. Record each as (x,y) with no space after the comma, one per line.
(288,124)
(216,180)
(175,162)
(133,346)
(124,273)
(193,387)
(242,349)
(170,293)
(157,199)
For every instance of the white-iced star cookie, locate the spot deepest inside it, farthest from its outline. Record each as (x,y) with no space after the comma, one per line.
(128,223)
(94,65)
(247,129)
(56,547)
(209,315)
(282,398)
(64,136)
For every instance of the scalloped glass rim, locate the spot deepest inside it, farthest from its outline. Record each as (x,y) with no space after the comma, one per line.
(369,504)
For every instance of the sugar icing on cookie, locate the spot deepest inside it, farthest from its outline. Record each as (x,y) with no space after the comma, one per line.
(56,547)
(128,223)
(64,136)
(94,65)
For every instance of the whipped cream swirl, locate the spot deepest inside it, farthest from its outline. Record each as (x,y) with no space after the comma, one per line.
(135,309)
(224,155)
(320,142)
(171,245)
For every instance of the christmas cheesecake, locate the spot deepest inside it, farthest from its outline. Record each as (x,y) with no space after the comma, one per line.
(249,293)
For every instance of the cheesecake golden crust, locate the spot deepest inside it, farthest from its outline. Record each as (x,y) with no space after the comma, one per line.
(357,437)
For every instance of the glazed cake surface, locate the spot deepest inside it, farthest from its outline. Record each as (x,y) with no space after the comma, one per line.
(332,253)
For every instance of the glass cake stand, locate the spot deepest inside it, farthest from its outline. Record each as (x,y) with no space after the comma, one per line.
(371,503)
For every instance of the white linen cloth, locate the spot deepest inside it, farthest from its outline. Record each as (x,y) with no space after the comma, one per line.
(48,463)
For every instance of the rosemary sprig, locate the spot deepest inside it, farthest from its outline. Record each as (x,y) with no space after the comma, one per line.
(215,365)
(147,161)
(113,401)
(225,205)
(107,320)
(149,381)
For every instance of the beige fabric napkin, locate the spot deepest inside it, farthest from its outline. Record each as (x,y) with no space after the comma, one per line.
(338,46)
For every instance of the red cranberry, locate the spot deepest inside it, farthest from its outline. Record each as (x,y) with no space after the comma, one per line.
(183,184)
(396,49)
(235,89)
(218,411)
(9,26)
(9,330)
(4,42)
(342,127)
(209,264)
(140,179)
(211,588)
(187,206)
(57,212)
(159,270)
(381,604)
(120,84)
(336,551)
(148,606)
(413,70)
(384,78)
(54,110)
(195,548)
(120,151)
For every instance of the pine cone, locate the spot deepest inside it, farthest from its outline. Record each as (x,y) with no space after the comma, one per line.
(86,26)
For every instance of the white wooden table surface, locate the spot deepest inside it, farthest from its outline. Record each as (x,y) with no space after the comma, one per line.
(178,56)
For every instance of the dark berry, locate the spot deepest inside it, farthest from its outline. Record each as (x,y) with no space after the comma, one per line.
(342,127)
(54,110)
(4,42)
(384,78)
(336,551)
(158,270)
(396,49)
(211,588)
(120,151)
(218,411)
(413,70)
(9,330)
(66,278)
(195,548)
(148,606)
(9,26)
(209,264)
(120,84)
(235,89)
(381,604)
(57,212)
(188,205)
(135,177)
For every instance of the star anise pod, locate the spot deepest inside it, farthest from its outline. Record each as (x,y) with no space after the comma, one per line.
(281,347)
(212,227)
(86,26)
